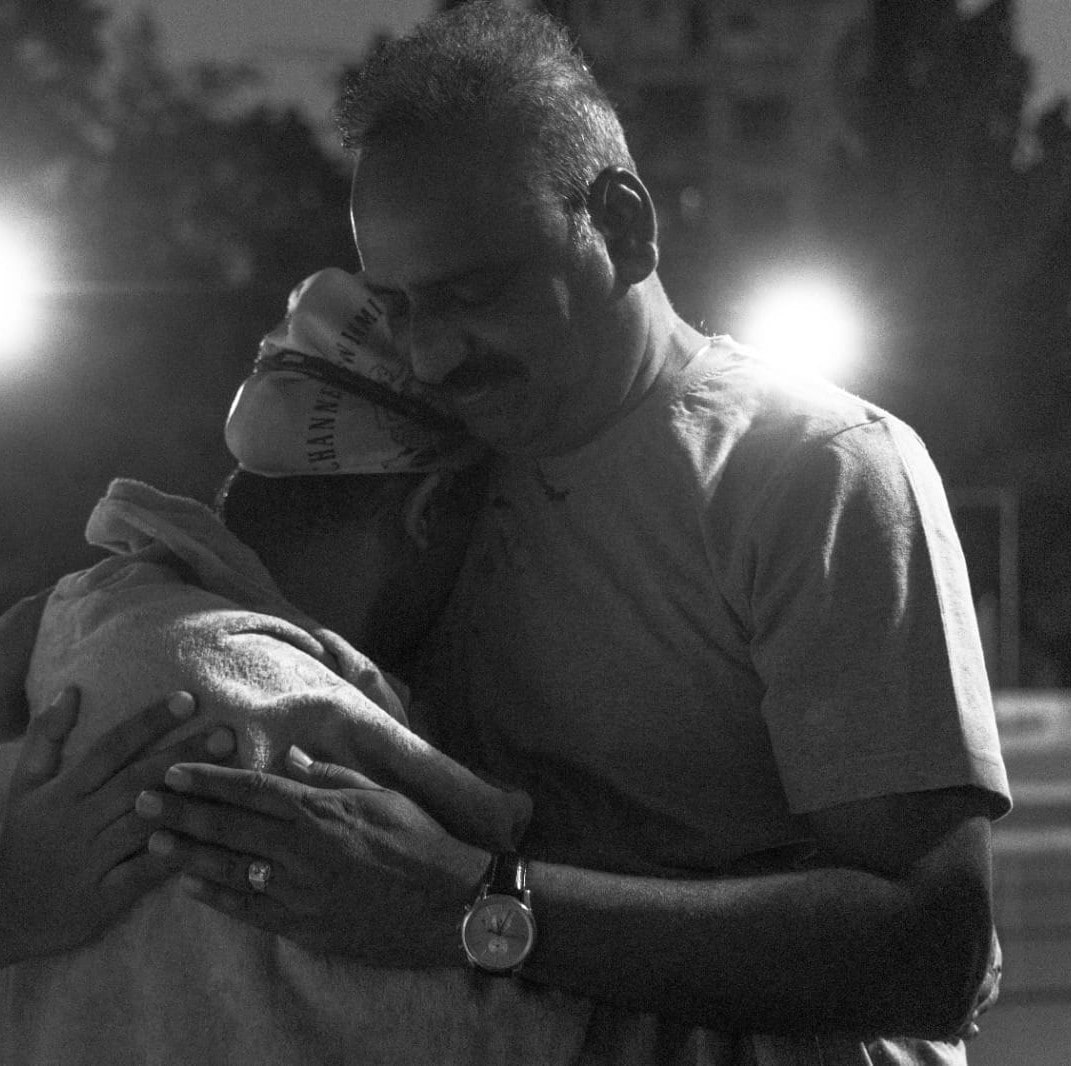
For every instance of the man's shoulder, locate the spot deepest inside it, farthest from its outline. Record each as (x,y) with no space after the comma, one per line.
(745,426)
(736,393)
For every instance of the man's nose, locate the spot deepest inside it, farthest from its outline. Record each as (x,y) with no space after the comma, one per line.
(435,346)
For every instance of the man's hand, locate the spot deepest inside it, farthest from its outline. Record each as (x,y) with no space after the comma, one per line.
(351,731)
(356,869)
(72,850)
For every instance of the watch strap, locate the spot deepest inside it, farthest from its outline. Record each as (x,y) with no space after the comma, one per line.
(508,875)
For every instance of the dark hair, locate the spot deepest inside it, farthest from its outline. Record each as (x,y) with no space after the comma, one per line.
(486,66)
(272,514)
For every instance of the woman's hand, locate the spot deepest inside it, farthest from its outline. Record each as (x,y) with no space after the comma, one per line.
(355,869)
(72,850)
(18,633)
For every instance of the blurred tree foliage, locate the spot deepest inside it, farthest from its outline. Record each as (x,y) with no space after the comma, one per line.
(178,220)
(196,188)
(50,58)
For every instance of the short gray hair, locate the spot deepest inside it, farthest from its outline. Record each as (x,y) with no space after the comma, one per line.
(483,65)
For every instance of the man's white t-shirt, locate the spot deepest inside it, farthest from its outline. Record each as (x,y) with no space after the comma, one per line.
(743,602)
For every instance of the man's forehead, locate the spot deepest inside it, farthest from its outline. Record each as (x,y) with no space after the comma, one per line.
(444,172)
(433,222)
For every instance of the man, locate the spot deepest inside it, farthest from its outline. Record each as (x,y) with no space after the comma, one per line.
(716,624)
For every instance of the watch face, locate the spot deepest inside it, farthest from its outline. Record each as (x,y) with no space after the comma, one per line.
(498,933)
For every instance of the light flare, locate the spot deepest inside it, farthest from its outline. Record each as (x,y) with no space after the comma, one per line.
(807,326)
(22,286)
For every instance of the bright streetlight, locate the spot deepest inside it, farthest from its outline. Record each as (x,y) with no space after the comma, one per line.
(22,284)
(804,324)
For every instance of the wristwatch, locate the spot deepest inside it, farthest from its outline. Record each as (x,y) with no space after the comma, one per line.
(499,929)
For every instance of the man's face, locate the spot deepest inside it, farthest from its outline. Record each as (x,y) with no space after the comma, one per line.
(511,322)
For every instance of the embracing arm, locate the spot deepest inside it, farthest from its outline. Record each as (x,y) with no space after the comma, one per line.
(891,937)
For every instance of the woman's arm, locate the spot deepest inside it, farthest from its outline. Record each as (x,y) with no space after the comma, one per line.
(18,632)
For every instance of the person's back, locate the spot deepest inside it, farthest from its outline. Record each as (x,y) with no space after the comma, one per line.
(185,606)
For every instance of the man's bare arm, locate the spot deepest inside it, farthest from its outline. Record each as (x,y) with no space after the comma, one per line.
(891,937)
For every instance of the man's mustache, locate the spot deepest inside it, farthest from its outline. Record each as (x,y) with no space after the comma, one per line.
(480,370)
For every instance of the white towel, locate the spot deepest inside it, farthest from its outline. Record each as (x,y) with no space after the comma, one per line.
(174,982)
(329,394)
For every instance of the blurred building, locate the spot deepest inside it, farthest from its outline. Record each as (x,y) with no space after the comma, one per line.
(737,110)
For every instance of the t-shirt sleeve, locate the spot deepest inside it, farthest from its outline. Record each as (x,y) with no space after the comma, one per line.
(863,627)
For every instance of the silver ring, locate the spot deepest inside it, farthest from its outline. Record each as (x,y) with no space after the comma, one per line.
(258,874)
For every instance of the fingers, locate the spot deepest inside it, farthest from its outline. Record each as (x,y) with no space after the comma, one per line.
(19,623)
(18,633)
(125,883)
(228,869)
(218,824)
(365,676)
(373,685)
(252,790)
(148,772)
(116,748)
(326,774)
(219,878)
(259,909)
(42,752)
(118,842)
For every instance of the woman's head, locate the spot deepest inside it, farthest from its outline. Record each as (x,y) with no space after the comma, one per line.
(372,556)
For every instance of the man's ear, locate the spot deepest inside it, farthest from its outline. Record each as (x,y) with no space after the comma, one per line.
(417,509)
(622,210)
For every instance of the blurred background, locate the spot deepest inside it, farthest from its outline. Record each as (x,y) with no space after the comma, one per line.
(889,177)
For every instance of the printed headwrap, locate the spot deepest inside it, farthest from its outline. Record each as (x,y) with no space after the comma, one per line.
(329,394)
